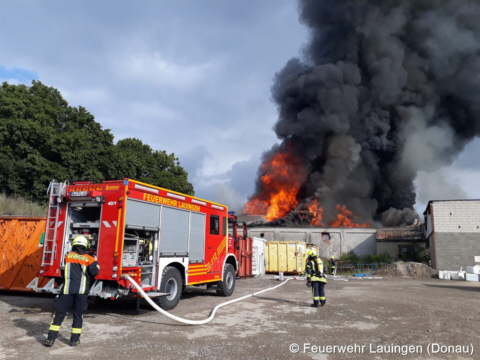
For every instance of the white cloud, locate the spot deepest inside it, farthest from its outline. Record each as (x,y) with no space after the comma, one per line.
(86,95)
(11,81)
(188,77)
(153,68)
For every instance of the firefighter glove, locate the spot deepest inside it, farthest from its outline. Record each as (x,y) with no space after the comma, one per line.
(309,284)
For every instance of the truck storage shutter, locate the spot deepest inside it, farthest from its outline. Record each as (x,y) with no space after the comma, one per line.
(140,213)
(197,237)
(174,232)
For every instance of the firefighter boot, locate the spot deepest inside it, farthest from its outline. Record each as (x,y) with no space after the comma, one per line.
(323,302)
(75,340)
(50,340)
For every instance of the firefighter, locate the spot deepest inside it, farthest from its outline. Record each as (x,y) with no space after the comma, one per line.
(315,278)
(80,270)
(332,265)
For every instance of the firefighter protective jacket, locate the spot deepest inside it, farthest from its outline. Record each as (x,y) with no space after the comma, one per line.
(314,270)
(332,264)
(80,269)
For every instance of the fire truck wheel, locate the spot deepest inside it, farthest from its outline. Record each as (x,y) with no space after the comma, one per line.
(226,287)
(172,284)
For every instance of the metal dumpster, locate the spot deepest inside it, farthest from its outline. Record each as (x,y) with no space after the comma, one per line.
(21,241)
(286,256)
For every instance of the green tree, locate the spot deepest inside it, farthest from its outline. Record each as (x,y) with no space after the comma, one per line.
(155,167)
(43,138)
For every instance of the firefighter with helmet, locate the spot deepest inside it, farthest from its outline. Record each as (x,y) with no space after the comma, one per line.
(80,270)
(315,278)
(332,265)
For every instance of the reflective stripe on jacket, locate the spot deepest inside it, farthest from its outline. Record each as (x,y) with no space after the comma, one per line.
(80,269)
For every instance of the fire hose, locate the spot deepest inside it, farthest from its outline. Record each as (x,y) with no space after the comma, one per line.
(196,322)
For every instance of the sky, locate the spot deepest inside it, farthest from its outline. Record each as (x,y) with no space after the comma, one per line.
(189,77)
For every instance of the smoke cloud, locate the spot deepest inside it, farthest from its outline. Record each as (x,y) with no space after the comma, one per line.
(383,90)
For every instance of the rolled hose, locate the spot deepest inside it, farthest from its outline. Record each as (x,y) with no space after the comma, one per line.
(196,322)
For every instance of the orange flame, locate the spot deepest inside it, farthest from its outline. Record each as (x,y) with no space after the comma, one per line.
(283,177)
(344,219)
(316,212)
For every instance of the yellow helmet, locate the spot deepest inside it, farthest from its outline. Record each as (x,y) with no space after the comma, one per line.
(80,241)
(332,257)
(312,252)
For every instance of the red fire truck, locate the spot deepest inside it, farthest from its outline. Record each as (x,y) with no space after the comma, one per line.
(162,239)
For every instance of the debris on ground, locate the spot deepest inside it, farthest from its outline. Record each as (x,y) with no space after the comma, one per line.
(411,269)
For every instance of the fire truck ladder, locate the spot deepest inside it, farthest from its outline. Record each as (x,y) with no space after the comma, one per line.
(55,190)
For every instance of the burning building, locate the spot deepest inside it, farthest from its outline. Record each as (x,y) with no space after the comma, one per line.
(383,89)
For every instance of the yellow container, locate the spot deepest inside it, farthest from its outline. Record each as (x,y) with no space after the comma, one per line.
(286,256)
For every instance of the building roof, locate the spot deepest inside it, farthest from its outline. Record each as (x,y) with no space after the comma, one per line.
(400,234)
(251,219)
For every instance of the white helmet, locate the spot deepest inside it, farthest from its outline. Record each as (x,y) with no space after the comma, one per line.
(80,241)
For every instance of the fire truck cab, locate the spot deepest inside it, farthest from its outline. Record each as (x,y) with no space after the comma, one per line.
(162,239)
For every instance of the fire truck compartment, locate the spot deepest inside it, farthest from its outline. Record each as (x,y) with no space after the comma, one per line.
(179,228)
(84,219)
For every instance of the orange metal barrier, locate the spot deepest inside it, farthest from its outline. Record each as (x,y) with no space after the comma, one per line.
(244,253)
(21,244)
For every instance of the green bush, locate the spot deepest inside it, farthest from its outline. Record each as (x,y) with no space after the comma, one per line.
(367,259)
(350,256)
(382,258)
(420,255)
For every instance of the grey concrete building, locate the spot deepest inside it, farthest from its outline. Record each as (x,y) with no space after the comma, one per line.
(330,241)
(453,233)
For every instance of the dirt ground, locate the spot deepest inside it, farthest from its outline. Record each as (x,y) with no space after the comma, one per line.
(379,317)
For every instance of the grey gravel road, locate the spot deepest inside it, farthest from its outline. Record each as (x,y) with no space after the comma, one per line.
(374,318)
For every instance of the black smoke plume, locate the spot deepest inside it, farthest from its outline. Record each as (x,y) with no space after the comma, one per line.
(384,89)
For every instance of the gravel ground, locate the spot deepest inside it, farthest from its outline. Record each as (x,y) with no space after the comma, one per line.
(365,318)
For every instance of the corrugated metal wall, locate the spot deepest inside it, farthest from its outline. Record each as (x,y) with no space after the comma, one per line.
(20,251)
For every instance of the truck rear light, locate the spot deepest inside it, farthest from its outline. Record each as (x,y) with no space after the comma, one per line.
(114,268)
(115,254)
(41,271)
(114,276)
(115,261)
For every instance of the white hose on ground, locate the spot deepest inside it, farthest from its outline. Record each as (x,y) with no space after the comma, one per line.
(195,322)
